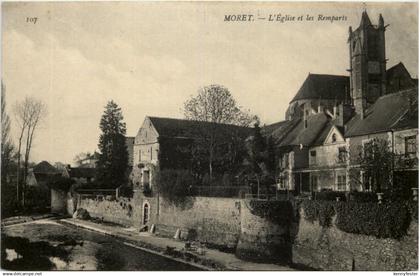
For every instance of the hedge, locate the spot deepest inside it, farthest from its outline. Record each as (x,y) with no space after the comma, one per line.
(316,210)
(363,196)
(330,195)
(279,212)
(387,220)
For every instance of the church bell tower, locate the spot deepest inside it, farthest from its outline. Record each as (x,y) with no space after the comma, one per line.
(367,63)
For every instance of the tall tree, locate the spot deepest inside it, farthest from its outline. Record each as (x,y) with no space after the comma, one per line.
(6,144)
(113,157)
(260,160)
(28,114)
(214,104)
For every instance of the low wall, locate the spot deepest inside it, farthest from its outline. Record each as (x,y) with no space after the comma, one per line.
(58,201)
(262,240)
(332,249)
(121,210)
(211,220)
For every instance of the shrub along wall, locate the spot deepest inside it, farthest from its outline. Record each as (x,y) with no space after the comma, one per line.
(355,235)
(387,220)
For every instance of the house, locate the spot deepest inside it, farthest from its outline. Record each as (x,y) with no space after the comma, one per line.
(393,118)
(82,175)
(330,117)
(165,143)
(41,174)
(90,160)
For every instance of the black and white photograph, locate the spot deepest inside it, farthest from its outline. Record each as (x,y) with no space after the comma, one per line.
(209,136)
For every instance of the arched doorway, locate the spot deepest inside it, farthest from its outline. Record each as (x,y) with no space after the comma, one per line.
(146,212)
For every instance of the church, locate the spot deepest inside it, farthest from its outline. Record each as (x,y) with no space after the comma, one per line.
(332,117)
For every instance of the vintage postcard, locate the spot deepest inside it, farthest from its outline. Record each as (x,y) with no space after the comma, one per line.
(209,136)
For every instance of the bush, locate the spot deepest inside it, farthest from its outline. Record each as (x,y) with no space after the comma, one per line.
(37,197)
(60,183)
(330,195)
(363,196)
(279,212)
(387,220)
(321,211)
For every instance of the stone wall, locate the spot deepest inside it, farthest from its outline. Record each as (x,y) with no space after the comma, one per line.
(121,210)
(58,201)
(332,249)
(208,219)
(211,220)
(263,240)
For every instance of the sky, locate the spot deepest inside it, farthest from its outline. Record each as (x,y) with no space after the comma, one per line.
(150,57)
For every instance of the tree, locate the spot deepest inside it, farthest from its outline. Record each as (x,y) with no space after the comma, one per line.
(376,160)
(6,145)
(214,104)
(260,160)
(28,113)
(113,156)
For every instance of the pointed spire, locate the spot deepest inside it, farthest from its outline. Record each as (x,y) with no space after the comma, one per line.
(381,20)
(365,19)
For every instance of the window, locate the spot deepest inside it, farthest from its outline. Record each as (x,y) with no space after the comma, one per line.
(151,153)
(342,154)
(313,156)
(281,183)
(341,182)
(368,148)
(410,145)
(139,155)
(334,138)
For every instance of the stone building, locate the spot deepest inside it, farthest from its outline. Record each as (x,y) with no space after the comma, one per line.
(163,143)
(331,116)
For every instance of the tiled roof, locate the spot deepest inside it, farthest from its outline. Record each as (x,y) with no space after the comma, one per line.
(294,133)
(268,129)
(324,133)
(398,78)
(181,128)
(45,168)
(390,112)
(318,86)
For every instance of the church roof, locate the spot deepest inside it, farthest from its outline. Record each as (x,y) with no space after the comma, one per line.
(390,112)
(317,86)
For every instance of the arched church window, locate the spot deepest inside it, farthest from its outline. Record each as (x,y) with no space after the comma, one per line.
(334,138)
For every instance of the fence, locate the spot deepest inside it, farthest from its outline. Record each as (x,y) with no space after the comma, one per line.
(220,191)
(98,193)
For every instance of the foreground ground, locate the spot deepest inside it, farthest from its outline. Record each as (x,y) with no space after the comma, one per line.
(72,244)
(48,245)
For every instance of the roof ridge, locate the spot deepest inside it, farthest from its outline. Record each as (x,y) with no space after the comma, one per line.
(396,93)
(332,75)
(197,121)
